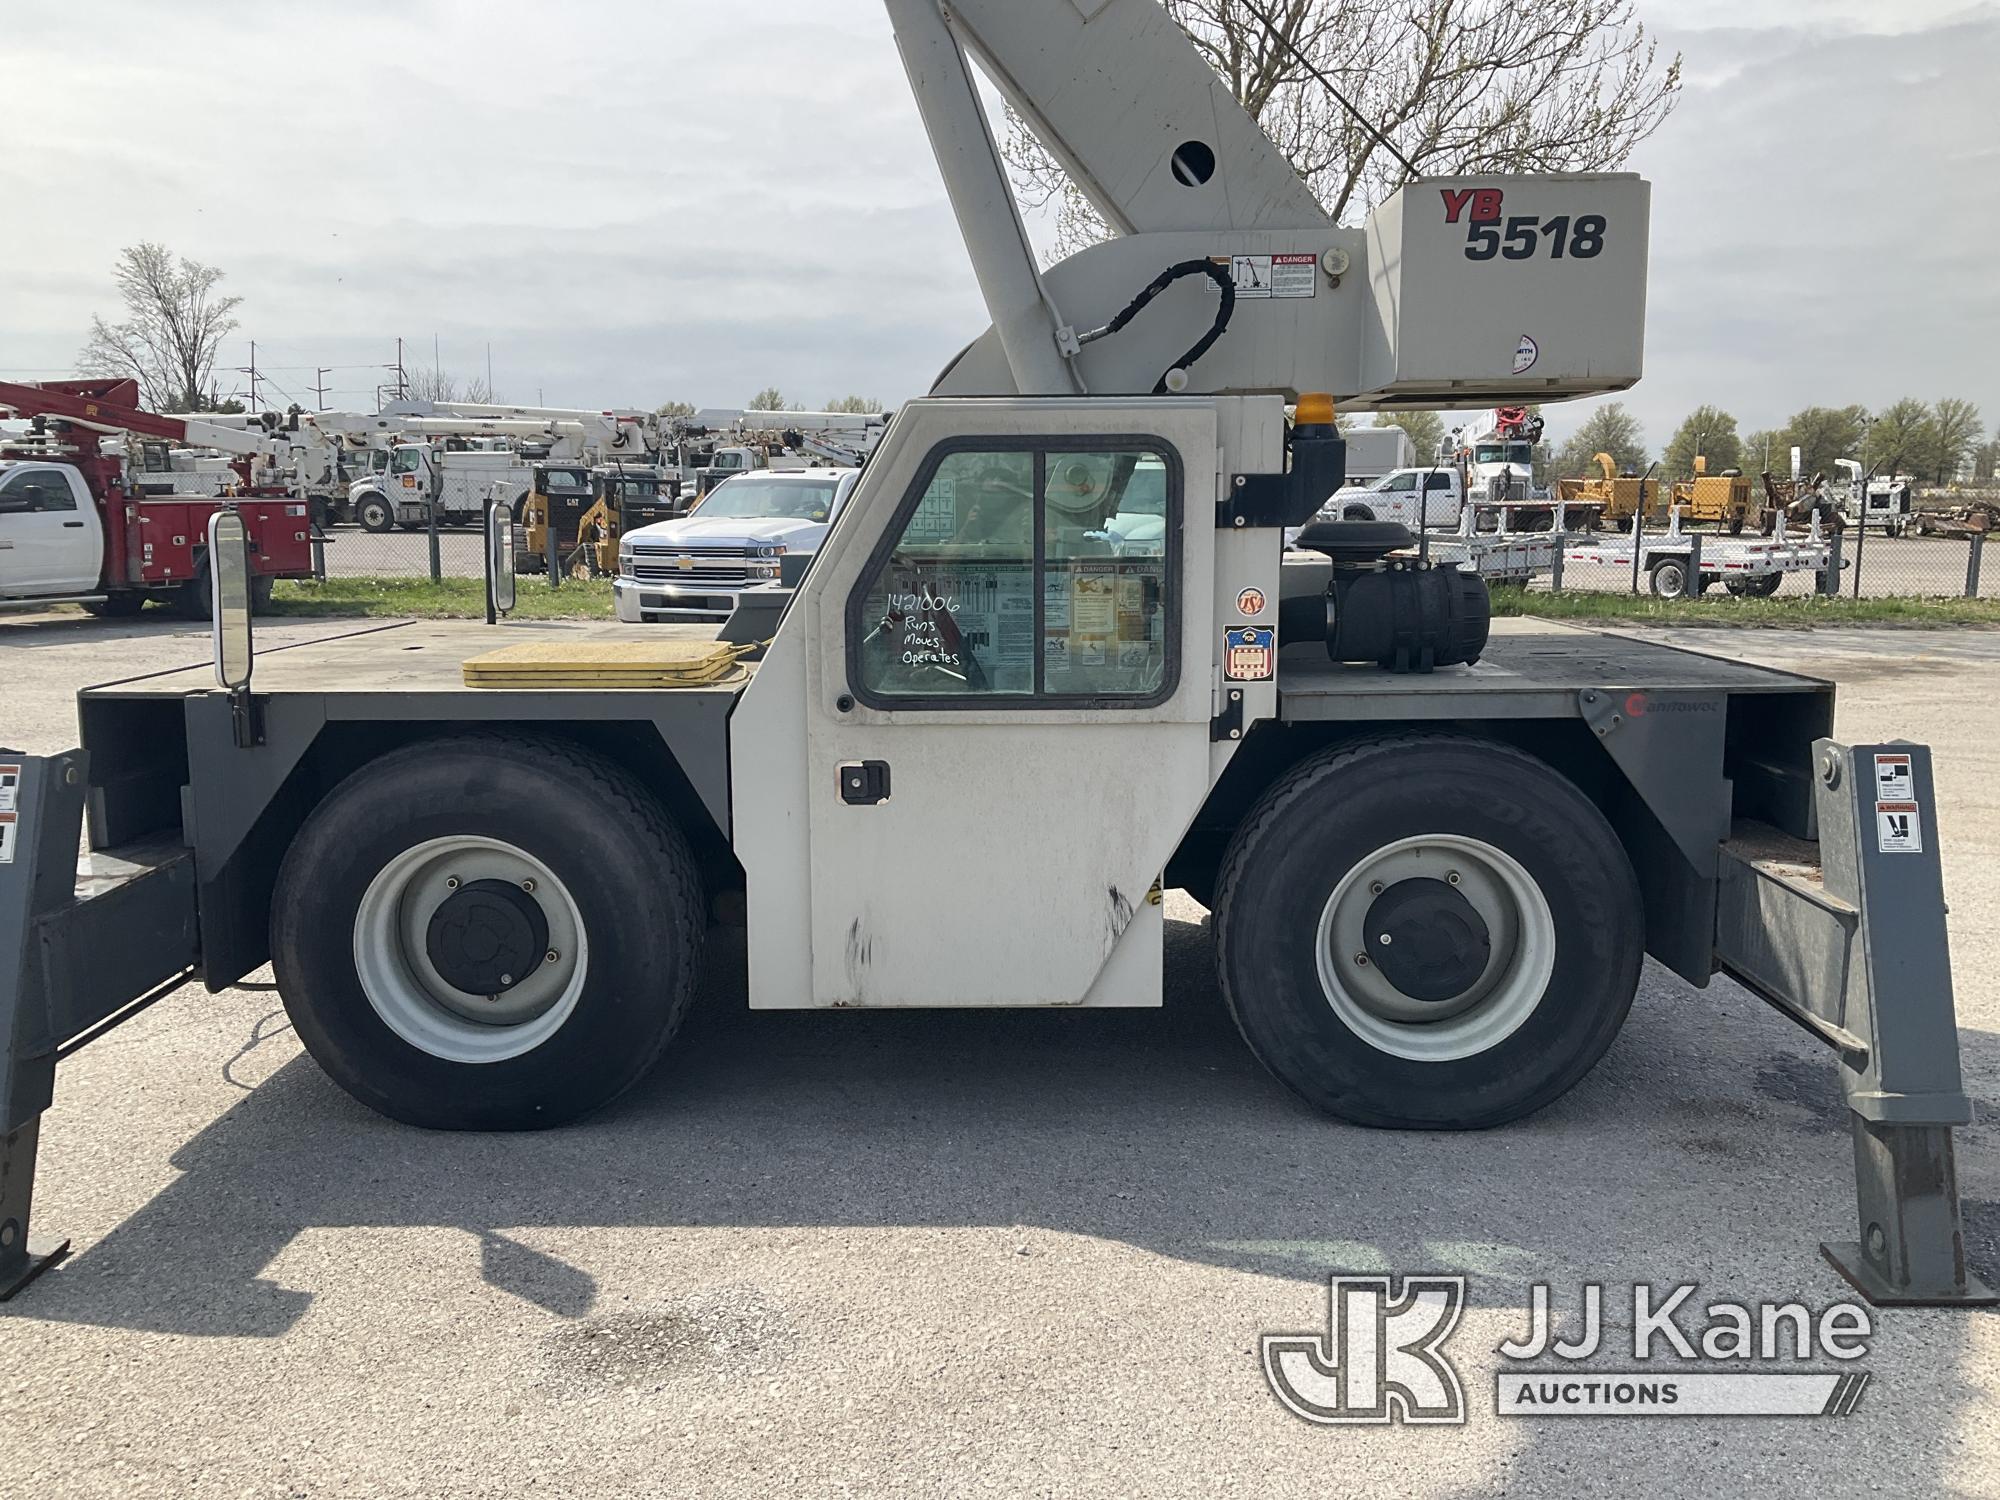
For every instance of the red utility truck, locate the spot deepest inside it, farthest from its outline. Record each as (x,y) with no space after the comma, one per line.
(75,526)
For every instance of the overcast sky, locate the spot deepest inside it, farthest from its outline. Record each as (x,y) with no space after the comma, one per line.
(689,201)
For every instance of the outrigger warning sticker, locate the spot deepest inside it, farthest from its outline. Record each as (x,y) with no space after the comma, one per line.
(7,832)
(1249,653)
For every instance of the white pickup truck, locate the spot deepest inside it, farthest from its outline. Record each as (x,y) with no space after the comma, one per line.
(694,568)
(1393,497)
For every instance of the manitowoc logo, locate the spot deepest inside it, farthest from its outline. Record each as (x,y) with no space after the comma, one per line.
(1379,1359)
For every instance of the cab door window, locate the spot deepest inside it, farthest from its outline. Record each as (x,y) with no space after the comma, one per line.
(28,490)
(1031,572)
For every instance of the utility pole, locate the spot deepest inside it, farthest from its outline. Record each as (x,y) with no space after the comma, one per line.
(251,370)
(320,373)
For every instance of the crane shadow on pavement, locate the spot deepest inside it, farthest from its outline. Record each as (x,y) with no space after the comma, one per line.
(1707,1146)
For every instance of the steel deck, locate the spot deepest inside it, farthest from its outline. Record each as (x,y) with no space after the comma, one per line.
(418,657)
(1531,669)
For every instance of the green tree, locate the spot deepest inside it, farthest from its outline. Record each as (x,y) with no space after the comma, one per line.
(861,404)
(1426,430)
(1903,439)
(768,399)
(1767,448)
(1959,431)
(1610,429)
(1709,432)
(1985,459)
(676,408)
(1821,434)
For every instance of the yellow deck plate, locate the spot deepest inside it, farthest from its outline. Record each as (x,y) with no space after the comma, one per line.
(608,664)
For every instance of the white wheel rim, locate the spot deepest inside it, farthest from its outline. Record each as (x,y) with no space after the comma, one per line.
(1519,924)
(405,988)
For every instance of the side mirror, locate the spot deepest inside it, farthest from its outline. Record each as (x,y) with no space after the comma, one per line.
(229,599)
(499,558)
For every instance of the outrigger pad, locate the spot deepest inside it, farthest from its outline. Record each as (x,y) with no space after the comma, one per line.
(666,663)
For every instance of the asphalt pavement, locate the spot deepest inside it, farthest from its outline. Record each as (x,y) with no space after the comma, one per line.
(942,1253)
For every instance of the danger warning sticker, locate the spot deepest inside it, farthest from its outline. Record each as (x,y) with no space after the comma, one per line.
(1898,829)
(10,788)
(8,831)
(1893,779)
(1273,275)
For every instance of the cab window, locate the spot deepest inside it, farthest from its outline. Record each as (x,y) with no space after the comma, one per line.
(1029,573)
(405,461)
(32,490)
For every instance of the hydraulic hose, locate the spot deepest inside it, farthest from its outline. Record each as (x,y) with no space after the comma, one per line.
(1219,274)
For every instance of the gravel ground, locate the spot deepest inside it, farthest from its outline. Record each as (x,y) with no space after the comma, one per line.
(936,1253)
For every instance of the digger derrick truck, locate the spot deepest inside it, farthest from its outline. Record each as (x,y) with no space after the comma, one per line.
(995,716)
(81,523)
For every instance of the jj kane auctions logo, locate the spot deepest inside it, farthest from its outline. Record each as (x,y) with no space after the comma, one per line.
(1381,1357)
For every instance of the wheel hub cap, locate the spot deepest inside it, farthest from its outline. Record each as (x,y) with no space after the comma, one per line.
(1427,939)
(486,937)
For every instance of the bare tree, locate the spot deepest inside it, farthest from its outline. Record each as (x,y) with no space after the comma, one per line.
(174,322)
(1460,86)
(768,399)
(443,385)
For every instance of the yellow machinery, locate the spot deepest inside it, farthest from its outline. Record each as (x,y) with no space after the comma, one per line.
(1719,499)
(1618,495)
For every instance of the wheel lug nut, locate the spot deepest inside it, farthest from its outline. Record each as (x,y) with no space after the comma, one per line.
(1361,960)
(451,882)
(528,885)
(506,979)
(552,956)
(1452,878)
(1374,887)
(1385,940)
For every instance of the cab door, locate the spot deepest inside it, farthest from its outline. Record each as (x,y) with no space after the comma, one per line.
(985,724)
(49,541)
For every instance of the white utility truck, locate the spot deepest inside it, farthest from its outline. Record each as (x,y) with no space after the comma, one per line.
(961,763)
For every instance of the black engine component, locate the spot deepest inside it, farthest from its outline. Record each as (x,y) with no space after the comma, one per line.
(1402,614)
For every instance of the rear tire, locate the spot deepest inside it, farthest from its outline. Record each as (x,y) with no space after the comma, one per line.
(368,888)
(194,599)
(373,513)
(1550,993)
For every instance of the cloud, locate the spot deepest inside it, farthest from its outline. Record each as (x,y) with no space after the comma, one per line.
(632,202)
(1823,212)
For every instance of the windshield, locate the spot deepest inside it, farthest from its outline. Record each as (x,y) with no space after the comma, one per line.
(1504,453)
(406,460)
(565,479)
(756,499)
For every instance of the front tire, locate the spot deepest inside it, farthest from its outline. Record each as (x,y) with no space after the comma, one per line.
(1518,910)
(421,885)
(120,606)
(373,513)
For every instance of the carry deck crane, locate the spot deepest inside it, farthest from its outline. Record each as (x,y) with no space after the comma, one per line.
(1047,661)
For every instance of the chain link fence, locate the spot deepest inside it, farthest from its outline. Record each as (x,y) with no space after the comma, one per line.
(1936,551)
(443,546)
